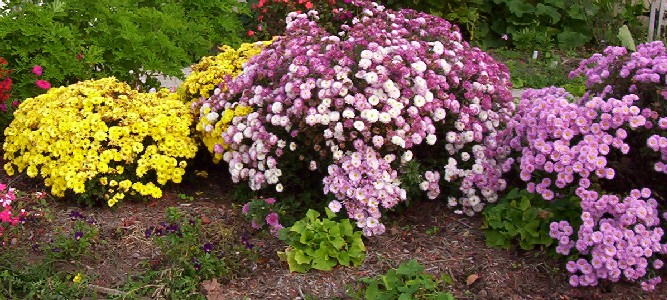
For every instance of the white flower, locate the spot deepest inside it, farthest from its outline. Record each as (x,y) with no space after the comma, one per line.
(372,222)
(372,115)
(445,66)
(366,54)
(397,140)
(424,185)
(477,168)
(277,107)
(430,139)
(334,116)
(373,100)
(238,137)
(438,48)
(238,166)
(348,114)
(279,188)
(282,143)
(419,101)
(209,128)
(419,66)
(335,206)
(212,116)
(384,117)
(407,156)
(371,77)
(359,125)
(338,154)
(451,137)
(459,125)
(439,114)
(292,146)
(364,63)
(465,156)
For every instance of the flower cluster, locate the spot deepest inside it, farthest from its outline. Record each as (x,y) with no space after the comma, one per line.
(263,212)
(7,196)
(369,182)
(616,72)
(598,148)
(393,84)
(101,138)
(270,14)
(210,71)
(564,144)
(207,79)
(622,237)
(5,84)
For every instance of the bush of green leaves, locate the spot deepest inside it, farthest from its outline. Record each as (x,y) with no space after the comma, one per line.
(408,281)
(525,217)
(321,243)
(75,40)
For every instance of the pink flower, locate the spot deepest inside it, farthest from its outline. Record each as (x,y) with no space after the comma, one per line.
(272,219)
(270,201)
(504,37)
(37,70)
(43,84)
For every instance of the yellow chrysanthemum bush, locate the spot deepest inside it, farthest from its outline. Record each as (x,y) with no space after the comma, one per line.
(207,79)
(101,141)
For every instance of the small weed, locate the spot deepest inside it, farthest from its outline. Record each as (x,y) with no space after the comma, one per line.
(408,281)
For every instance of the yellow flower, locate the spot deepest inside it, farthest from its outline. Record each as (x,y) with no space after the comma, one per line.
(77,278)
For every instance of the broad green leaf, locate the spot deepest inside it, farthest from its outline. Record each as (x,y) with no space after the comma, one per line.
(513,194)
(519,7)
(572,39)
(626,39)
(312,214)
(409,268)
(542,9)
(524,204)
(300,257)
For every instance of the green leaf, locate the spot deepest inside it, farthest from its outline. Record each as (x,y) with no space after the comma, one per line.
(553,13)
(519,7)
(572,39)
(300,257)
(312,215)
(626,39)
(330,214)
(524,204)
(513,194)
(410,268)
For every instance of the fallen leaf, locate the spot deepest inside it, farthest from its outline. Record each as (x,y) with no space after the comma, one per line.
(205,220)
(471,279)
(211,289)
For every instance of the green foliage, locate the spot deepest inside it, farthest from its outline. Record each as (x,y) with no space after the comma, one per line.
(76,40)
(525,217)
(76,243)
(408,281)
(535,24)
(551,68)
(321,243)
(191,253)
(42,280)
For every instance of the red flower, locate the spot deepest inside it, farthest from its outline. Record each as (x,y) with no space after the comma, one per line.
(43,84)
(251,33)
(309,5)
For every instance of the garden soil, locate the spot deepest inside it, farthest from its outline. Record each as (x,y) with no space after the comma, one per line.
(445,243)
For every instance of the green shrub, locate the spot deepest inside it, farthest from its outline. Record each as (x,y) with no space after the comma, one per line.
(408,281)
(321,244)
(525,217)
(76,40)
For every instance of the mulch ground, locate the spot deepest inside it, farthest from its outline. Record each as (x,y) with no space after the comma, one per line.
(427,231)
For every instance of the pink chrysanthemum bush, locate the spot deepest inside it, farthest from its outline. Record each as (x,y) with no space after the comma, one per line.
(607,150)
(350,112)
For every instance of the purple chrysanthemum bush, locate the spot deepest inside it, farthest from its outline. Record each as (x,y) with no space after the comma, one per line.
(610,150)
(393,88)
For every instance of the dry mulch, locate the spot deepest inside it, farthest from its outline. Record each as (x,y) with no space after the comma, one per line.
(427,231)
